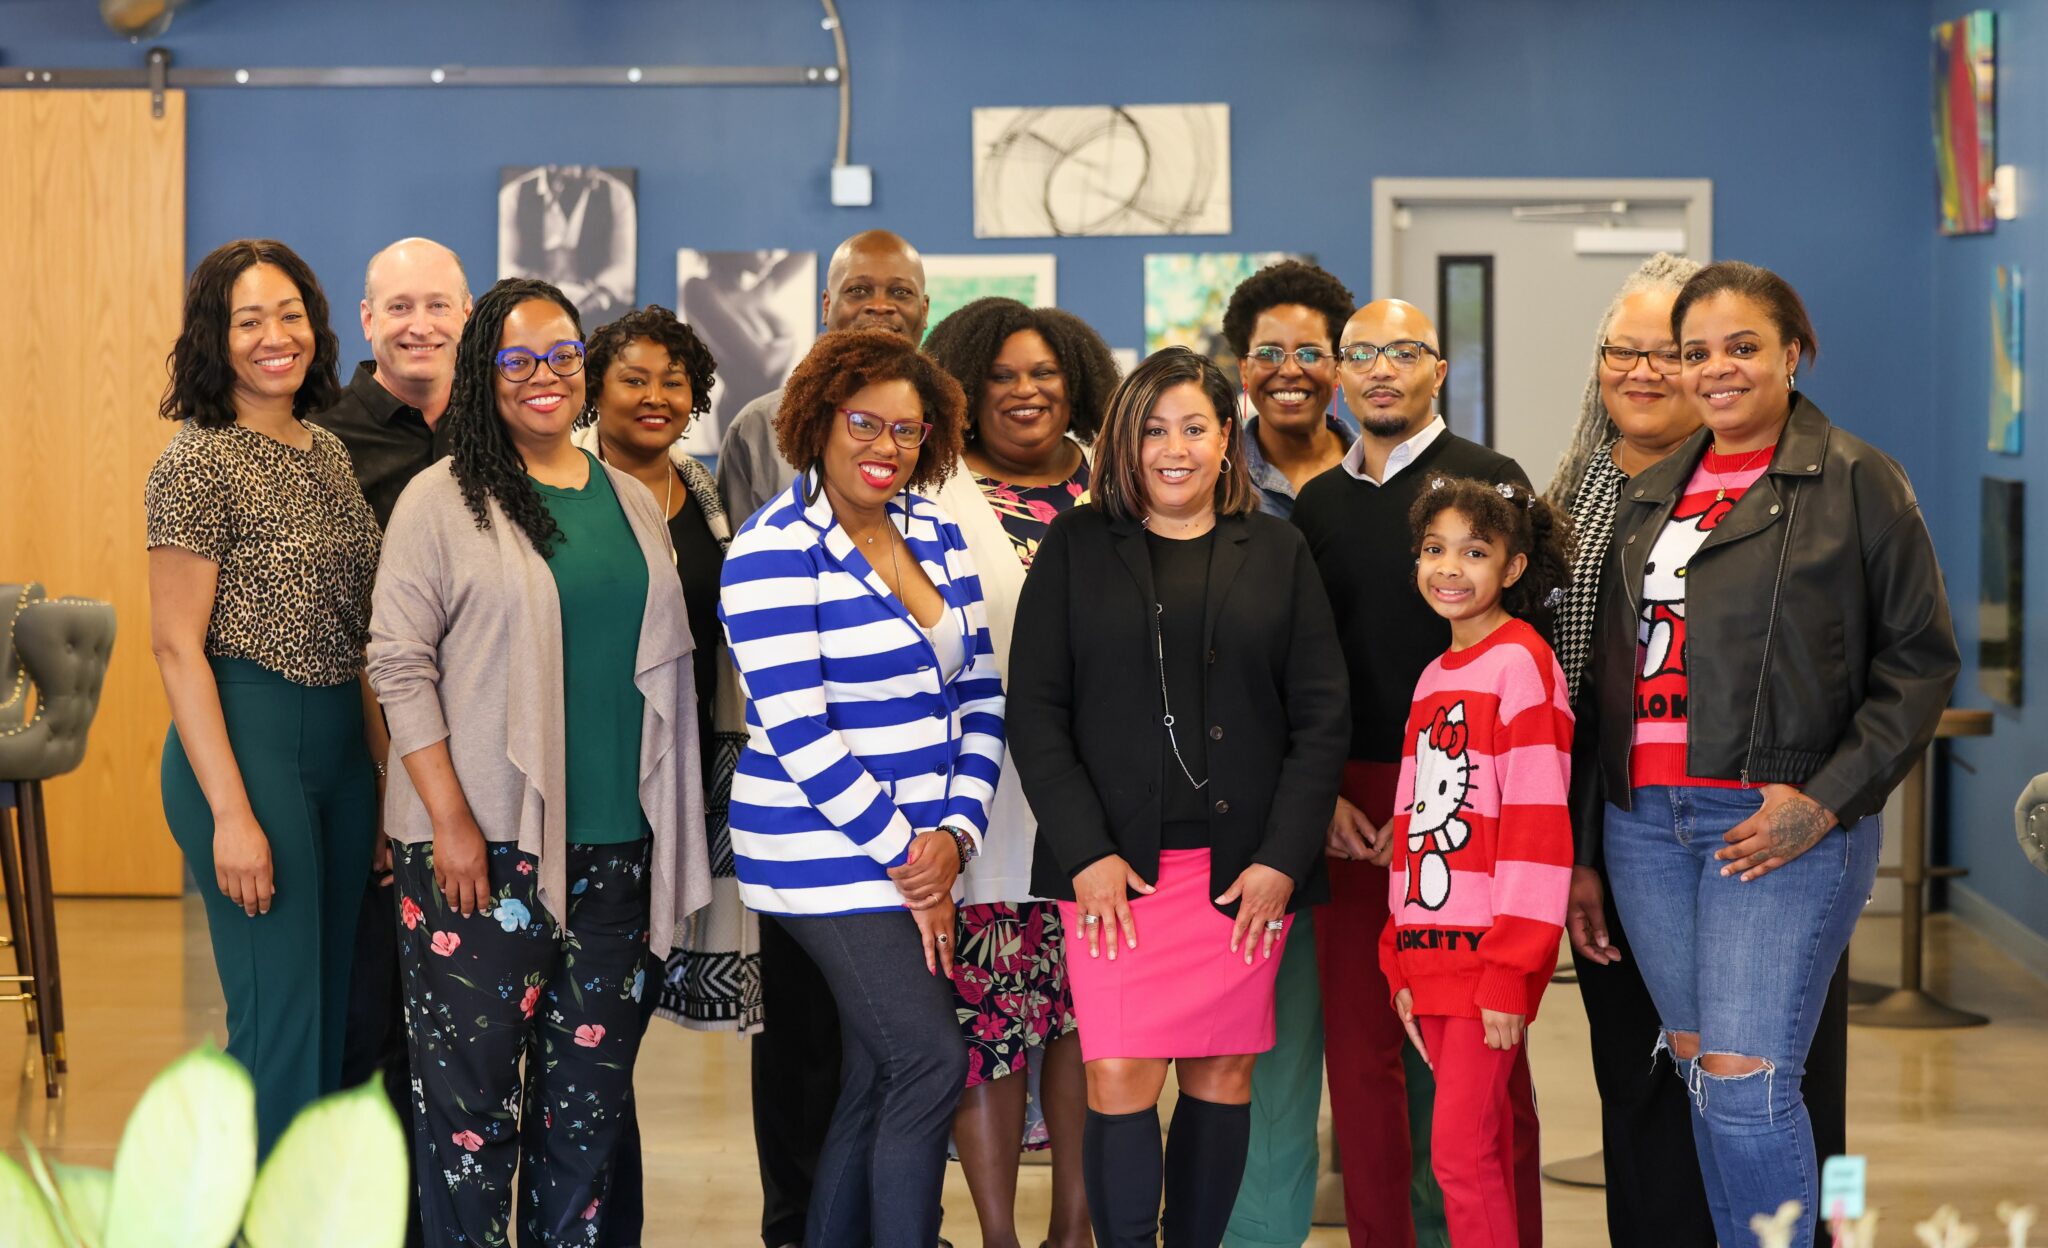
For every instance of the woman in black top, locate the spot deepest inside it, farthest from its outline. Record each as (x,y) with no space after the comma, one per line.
(650,376)
(1178,715)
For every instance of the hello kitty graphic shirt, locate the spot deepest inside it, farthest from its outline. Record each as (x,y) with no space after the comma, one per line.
(1482,837)
(1657,755)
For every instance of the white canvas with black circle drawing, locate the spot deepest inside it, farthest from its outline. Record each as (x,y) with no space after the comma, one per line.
(577,226)
(757,312)
(1077,172)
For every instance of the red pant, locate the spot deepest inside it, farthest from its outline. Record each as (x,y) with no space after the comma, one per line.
(1482,1097)
(1362,1039)
(1362,1036)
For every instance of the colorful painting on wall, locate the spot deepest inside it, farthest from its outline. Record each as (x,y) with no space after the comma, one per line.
(2008,362)
(1965,146)
(1185,293)
(953,282)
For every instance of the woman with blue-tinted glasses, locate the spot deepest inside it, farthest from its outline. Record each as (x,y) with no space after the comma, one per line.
(529,645)
(874,742)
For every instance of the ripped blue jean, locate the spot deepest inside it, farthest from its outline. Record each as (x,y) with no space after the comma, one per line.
(1746,966)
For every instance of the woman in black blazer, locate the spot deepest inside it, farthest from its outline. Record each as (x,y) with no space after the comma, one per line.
(1178,715)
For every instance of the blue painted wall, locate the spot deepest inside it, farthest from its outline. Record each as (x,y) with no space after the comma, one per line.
(1811,119)
(1952,449)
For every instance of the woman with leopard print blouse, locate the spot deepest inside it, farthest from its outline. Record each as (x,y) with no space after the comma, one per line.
(261,554)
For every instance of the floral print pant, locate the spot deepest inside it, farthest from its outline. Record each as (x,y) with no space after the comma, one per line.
(509,984)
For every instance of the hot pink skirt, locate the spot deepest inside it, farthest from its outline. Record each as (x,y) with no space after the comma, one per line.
(1181,992)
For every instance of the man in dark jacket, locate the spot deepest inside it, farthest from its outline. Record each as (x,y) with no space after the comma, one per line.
(1355,517)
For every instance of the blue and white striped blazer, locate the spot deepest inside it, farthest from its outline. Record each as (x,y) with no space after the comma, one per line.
(854,743)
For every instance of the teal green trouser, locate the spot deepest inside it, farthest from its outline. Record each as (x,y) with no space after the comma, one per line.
(1278,1196)
(1279,1190)
(285,974)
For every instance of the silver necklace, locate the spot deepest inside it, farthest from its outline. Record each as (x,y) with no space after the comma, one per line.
(1172,737)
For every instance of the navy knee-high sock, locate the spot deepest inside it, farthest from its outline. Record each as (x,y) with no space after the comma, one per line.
(1205,1150)
(1121,1166)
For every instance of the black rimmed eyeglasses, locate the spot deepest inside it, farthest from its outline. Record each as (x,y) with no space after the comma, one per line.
(1665,360)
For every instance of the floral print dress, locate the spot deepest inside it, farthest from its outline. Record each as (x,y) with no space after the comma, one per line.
(1009,972)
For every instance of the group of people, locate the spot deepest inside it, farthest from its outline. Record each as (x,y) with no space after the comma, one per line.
(1004,733)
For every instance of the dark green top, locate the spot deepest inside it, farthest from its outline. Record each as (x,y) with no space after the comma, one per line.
(601,578)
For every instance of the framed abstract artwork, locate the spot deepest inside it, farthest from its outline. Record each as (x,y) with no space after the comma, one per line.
(1965,141)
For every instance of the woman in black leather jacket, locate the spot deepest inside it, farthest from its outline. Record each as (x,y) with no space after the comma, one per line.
(1771,653)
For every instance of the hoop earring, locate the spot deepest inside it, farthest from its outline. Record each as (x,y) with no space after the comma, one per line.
(813,486)
(1792,380)
(1226,463)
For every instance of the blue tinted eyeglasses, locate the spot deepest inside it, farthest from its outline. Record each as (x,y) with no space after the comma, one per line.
(564,359)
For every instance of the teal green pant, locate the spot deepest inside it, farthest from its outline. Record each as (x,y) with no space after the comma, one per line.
(285,974)
(1278,1195)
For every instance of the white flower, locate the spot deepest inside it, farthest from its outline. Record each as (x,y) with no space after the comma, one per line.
(1506,489)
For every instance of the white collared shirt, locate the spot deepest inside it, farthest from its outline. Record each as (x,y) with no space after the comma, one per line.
(1404,454)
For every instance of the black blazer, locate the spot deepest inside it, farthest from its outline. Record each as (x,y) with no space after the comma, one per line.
(1083,716)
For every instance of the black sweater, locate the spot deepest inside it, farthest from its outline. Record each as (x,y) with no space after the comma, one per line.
(1358,533)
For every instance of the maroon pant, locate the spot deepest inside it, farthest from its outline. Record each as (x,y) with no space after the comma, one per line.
(1362,1039)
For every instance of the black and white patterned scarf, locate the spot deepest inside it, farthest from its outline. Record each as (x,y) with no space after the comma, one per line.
(1593,525)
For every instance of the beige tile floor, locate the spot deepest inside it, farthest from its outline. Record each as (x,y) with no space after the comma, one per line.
(1957,1116)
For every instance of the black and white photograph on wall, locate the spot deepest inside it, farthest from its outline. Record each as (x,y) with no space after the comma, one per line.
(757,311)
(576,226)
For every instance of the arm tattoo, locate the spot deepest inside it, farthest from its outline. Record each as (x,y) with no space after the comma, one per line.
(1794,826)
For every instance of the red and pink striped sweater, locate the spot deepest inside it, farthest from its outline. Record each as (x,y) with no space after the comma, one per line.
(1482,838)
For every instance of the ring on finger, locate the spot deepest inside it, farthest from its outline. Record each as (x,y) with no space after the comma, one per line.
(1091,919)
(943,939)
(1274,925)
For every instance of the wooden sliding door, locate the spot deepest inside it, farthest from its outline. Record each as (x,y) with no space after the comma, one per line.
(92,269)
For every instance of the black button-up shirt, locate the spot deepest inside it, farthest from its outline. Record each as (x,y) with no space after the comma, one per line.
(388,441)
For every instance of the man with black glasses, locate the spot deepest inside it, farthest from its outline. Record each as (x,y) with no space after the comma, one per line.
(1390,367)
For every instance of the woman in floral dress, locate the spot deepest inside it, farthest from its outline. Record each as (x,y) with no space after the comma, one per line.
(1037,381)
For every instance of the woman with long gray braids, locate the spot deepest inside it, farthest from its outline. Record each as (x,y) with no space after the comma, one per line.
(1632,416)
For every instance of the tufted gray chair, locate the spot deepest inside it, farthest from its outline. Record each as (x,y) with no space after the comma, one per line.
(64,645)
(2030,820)
(14,702)
(13,677)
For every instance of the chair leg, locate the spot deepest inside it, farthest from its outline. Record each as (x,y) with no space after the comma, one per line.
(43,921)
(17,910)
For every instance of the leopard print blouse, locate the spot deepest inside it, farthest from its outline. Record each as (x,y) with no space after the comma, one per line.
(296,544)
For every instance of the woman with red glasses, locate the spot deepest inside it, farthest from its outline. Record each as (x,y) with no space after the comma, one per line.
(874,742)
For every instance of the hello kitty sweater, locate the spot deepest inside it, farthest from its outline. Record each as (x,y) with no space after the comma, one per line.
(1482,838)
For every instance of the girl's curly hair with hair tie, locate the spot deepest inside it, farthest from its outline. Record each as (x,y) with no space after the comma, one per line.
(1527,522)
(486,463)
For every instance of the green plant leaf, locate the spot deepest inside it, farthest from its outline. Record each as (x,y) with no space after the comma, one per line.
(24,1219)
(187,1158)
(337,1177)
(86,1191)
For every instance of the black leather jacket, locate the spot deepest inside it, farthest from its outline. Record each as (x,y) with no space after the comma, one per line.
(1819,651)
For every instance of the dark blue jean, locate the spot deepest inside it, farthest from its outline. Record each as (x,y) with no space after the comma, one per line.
(1746,967)
(884,1162)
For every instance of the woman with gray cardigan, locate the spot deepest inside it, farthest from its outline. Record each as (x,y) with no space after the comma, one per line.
(529,646)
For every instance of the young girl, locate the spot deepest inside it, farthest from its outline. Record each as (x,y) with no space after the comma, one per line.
(1482,844)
